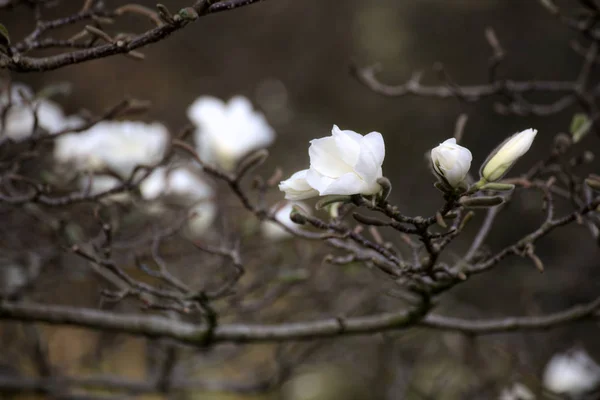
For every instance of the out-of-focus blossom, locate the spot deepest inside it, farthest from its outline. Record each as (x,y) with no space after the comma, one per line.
(227,131)
(573,373)
(97,184)
(274,231)
(119,146)
(22,111)
(518,391)
(506,155)
(182,186)
(451,162)
(203,215)
(344,163)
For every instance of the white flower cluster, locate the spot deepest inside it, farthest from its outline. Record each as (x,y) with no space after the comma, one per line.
(22,110)
(115,146)
(112,150)
(183,186)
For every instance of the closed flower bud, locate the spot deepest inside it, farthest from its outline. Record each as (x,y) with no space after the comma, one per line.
(506,155)
(451,162)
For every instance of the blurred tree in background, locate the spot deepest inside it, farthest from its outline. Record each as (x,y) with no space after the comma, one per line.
(147,252)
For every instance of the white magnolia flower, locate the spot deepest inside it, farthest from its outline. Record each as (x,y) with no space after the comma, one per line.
(19,120)
(274,231)
(507,154)
(344,163)
(572,373)
(518,391)
(119,146)
(297,188)
(180,184)
(97,184)
(226,132)
(204,214)
(451,162)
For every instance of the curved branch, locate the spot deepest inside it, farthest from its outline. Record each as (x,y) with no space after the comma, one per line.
(503,325)
(20,63)
(154,326)
(368,77)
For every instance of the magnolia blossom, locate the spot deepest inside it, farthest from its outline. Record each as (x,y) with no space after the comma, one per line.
(518,391)
(572,373)
(507,154)
(182,186)
(203,215)
(226,132)
(97,184)
(22,110)
(274,231)
(344,163)
(119,146)
(451,162)
(297,188)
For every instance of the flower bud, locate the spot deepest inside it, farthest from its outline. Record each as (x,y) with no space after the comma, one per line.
(481,201)
(451,162)
(507,154)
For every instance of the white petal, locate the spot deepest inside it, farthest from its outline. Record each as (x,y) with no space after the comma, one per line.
(325,158)
(154,185)
(205,108)
(346,184)
(348,144)
(372,152)
(296,187)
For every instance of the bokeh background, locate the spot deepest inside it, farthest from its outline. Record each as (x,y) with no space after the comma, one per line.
(292,58)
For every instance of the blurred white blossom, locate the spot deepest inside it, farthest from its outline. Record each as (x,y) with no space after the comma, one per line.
(451,162)
(226,132)
(180,184)
(118,146)
(274,231)
(573,373)
(203,215)
(507,154)
(184,187)
(23,109)
(97,184)
(344,163)
(518,391)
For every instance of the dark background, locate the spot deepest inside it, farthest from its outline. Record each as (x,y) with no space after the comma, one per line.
(292,59)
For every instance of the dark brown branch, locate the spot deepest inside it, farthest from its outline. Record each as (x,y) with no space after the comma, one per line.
(511,324)
(152,326)
(542,231)
(368,76)
(19,63)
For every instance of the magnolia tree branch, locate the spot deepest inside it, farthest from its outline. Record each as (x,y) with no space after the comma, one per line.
(167,25)
(199,335)
(186,333)
(60,384)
